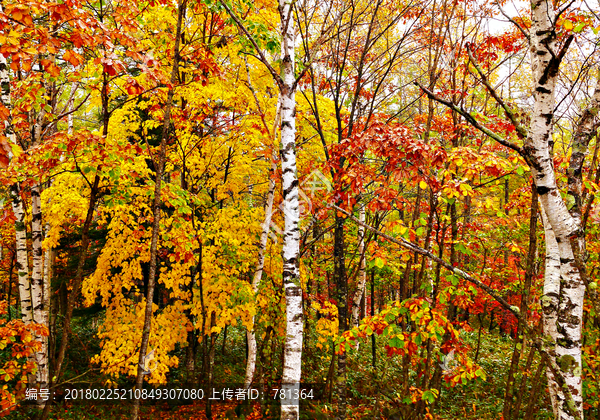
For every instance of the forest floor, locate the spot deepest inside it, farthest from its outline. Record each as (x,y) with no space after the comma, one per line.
(482,400)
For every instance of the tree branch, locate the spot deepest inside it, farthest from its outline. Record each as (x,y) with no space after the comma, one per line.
(261,55)
(521,132)
(514,22)
(417,249)
(545,350)
(471,119)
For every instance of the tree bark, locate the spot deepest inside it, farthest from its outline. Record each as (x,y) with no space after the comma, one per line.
(38,291)
(292,367)
(264,237)
(563,277)
(339,263)
(550,300)
(362,271)
(160,165)
(22,258)
(287,83)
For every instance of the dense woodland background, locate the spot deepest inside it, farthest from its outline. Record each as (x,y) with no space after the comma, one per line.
(395,201)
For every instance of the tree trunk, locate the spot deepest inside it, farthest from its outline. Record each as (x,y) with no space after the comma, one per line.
(286,81)
(160,165)
(292,367)
(264,237)
(40,311)
(563,287)
(22,259)
(362,271)
(339,263)
(38,292)
(550,300)
(373,338)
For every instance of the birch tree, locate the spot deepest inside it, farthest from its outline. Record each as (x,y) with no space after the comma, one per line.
(22,263)
(546,58)
(31,289)
(564,287)
(38,292)
(265,229)
(362,270)
(287,83)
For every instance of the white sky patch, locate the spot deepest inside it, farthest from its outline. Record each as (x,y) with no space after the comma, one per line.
(499,23)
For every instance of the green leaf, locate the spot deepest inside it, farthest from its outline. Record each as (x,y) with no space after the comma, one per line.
(460,247)
(428,396)
(453,279)
(579,27)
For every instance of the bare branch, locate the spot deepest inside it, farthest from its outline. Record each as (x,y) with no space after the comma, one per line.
(564,9)
(417,249)
(514,22)
(472,120)
(261,55)
(521,132)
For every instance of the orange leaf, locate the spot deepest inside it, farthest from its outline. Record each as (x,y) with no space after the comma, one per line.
(4,112)
(50,67)
(72,57)
(134,88)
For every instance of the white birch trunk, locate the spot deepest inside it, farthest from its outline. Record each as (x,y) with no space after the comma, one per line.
(264,237)
(292,359)
(266,228)
(362,271)
(550,301)
(22,262)
(538,149)
(38,292)
(43,360)
(31,291)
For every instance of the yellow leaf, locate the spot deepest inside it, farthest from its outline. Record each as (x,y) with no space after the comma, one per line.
(423,185)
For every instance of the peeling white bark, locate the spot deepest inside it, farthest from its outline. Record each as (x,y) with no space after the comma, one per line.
(38,292)
(264,237)
(292,359)
(40,310)
(22,261)
(362,271)
(31,291)
(538,146)
(550,301)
